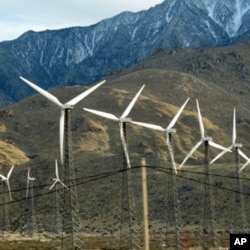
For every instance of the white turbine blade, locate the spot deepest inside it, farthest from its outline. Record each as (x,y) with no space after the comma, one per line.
(172,123)
(103,114)
(52,185)
(196,146)
(28,173)
(220,155)
(3,177)
(171,154)
(8,185)
(43,92)
(200,120)
(234,128)
(243,155)
(247,162)
(61,135)
(78,98)
(27,189)
(8,176)
(172,160)
(124,145)
(132,103)
(28,183)
(148,125)
(62,183)
(56,167)
(216,145)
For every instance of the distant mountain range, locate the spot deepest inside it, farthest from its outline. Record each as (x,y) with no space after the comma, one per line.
(84,55)
(218,77)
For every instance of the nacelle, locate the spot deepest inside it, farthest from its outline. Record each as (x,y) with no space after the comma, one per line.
(126,119)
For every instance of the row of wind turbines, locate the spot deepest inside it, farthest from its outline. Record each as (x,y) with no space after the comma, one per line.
(6,180)
(122,121)
(168,131)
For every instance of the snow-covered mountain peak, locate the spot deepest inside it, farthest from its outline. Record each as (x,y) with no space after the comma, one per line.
(85,54)
(229,15)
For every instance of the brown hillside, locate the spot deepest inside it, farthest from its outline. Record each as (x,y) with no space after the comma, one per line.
(218,78)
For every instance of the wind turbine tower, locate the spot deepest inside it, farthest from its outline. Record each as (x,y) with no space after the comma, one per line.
(171,191)
(71,219)
(207,214)
(58,200)
(127,202)
(239,223)
(31,214)
(5,212)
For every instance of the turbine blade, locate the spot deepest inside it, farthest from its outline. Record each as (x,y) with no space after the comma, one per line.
(196,146)
(52,185)
(171,155)
(124,145)
(61,135)
(234,128)
(103,114)
(247,162)
(8,176)
(62,183)
(148,125)
(172,123)
(84,94)
(43,92)
(8,185)
(27,188)
(3,177)
(243,155)
(56,166)
(216,145)
(200,120)
(28,173)
(132,103)
(219,155)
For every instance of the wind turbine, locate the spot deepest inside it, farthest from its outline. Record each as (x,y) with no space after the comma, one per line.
(237,222)
(57,179)
(64,107)
(204,139)
(5,213)
(6,181)
(29,180)
(72,222)
(235,146)
(31,215)
(168,131)
(123,119)
(58,204)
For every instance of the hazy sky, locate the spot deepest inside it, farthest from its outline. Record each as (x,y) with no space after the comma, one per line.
(19,16)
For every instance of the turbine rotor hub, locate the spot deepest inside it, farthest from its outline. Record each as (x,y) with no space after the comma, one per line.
(171,130)
(207,138)
(126,119)
(67,106)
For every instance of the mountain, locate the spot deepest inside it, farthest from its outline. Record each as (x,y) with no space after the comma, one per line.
(218,77)
(83,55)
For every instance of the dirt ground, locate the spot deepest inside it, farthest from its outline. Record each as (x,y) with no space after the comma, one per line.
(102,242)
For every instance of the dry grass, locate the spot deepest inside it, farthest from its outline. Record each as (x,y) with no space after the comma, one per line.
(219,78)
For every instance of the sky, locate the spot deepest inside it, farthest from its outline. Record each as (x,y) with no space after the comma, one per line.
(19,16)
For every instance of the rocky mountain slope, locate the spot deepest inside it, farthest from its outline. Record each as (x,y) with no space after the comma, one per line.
(218,77)
(83,55)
